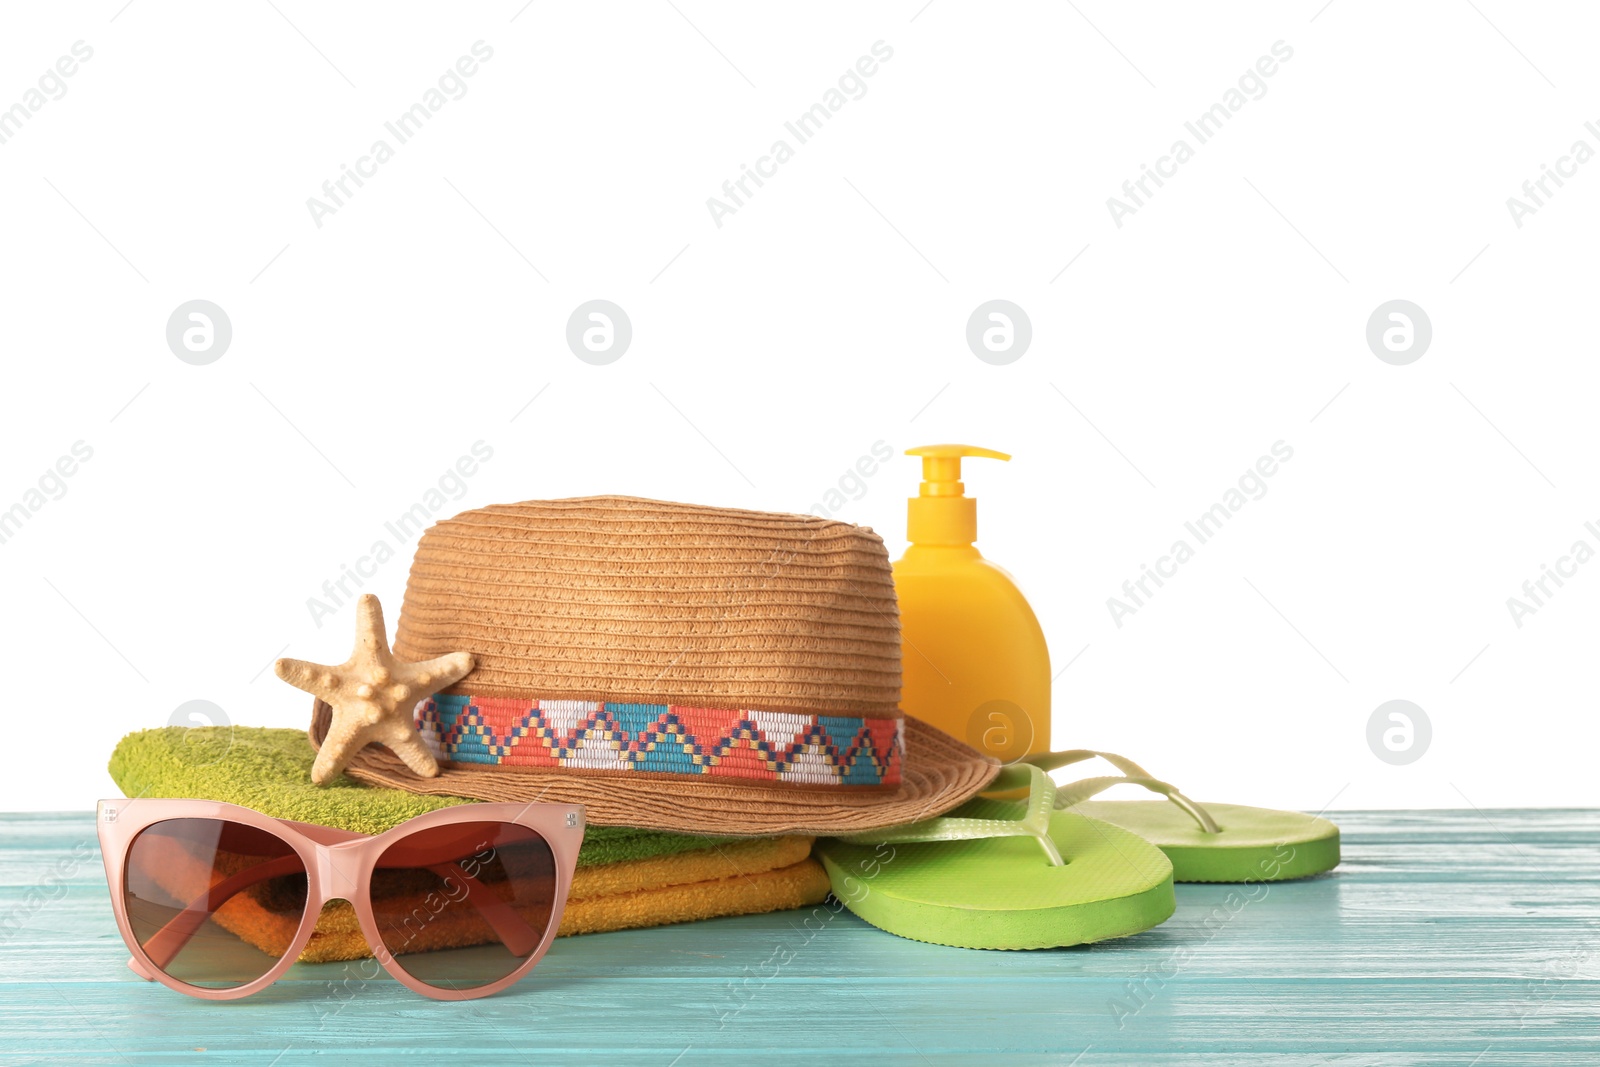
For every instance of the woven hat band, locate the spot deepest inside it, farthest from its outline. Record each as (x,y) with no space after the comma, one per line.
(531,734)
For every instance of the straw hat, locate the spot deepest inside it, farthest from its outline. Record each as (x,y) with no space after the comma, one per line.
(671,666)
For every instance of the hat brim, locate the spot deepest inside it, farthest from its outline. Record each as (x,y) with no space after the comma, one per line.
(939,773)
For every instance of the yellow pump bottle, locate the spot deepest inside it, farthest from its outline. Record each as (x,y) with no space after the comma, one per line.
(974,658)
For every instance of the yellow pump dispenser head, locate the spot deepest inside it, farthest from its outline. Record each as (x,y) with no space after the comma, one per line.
(941,513)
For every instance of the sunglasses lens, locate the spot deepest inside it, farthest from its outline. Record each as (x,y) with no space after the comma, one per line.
(211,902)
(466,904)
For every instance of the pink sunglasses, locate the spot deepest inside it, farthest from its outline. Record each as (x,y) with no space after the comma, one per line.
(218,901)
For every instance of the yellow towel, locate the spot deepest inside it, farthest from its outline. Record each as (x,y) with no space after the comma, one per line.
(739,878)
(794,886)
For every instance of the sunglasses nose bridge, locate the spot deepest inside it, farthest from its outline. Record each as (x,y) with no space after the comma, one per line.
(337,871)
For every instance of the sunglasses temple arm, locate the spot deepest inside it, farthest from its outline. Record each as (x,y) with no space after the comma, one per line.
(512,929)
(167,942)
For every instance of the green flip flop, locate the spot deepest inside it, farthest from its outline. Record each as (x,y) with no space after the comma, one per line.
(1002,875)
(1206,843)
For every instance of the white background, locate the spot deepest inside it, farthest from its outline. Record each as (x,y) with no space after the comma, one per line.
(827,314)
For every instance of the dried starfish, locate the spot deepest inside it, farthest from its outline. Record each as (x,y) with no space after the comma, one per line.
(372,695)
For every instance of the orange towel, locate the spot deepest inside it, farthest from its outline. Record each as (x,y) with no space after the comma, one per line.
(739,878)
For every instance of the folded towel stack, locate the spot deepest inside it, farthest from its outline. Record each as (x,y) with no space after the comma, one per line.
(625,877)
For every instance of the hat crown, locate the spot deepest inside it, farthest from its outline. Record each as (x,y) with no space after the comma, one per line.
(620,598)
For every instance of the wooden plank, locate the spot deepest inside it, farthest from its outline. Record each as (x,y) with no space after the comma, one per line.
(1445,936)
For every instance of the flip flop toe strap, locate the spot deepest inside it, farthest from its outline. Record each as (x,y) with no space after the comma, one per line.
(1035,822)
(1132,774)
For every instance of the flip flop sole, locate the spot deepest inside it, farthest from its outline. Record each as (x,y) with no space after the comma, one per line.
(1002,893)
(1255,845)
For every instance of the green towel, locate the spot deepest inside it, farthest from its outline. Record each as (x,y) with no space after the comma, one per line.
(270,771)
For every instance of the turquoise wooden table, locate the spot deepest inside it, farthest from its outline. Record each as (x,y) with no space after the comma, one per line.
(1444,938)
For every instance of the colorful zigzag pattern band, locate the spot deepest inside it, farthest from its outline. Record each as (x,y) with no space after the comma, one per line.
(772,746)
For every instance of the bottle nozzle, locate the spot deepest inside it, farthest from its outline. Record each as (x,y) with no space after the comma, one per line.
(941,513)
